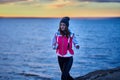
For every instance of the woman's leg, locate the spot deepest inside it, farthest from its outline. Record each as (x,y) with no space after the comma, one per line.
(61,63)
(65,66)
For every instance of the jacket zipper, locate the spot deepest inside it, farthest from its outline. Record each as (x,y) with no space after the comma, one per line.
(62,45)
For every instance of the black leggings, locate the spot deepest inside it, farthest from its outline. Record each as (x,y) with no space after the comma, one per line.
(65,64)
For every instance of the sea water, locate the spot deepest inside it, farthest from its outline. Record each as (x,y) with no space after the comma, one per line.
(26,52)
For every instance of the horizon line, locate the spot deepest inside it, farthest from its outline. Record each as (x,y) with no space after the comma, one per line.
(57,17)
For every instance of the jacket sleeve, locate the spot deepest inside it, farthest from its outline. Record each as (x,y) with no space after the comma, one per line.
(54,42)
(75,42)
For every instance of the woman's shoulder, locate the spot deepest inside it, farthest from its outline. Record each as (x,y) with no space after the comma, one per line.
(71,32)
(57,33)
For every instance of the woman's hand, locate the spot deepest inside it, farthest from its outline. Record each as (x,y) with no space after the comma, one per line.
(77,46)
(55,46)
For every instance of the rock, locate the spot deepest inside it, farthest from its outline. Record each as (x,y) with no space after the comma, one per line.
(38,75)
(110,74)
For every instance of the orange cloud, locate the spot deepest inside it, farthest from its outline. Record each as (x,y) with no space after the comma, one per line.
(61,4)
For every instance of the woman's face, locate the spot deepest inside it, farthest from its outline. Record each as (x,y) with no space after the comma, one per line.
(62,26)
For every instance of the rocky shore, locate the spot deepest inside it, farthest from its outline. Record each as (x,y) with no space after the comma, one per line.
(110,74)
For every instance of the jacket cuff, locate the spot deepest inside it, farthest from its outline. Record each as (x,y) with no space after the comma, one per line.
(76,45)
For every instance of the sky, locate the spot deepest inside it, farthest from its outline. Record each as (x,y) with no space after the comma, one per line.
(60,8)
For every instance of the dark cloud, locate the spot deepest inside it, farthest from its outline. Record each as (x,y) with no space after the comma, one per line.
(8,1)
(100,0)
(46,1)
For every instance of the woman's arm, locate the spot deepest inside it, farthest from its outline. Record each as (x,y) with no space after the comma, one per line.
(75,42)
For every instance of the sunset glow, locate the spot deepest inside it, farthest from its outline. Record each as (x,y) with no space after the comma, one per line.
(59,8)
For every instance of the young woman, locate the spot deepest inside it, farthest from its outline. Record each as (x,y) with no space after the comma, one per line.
(62,42)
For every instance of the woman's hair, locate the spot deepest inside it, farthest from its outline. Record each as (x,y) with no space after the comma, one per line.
(66,32)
